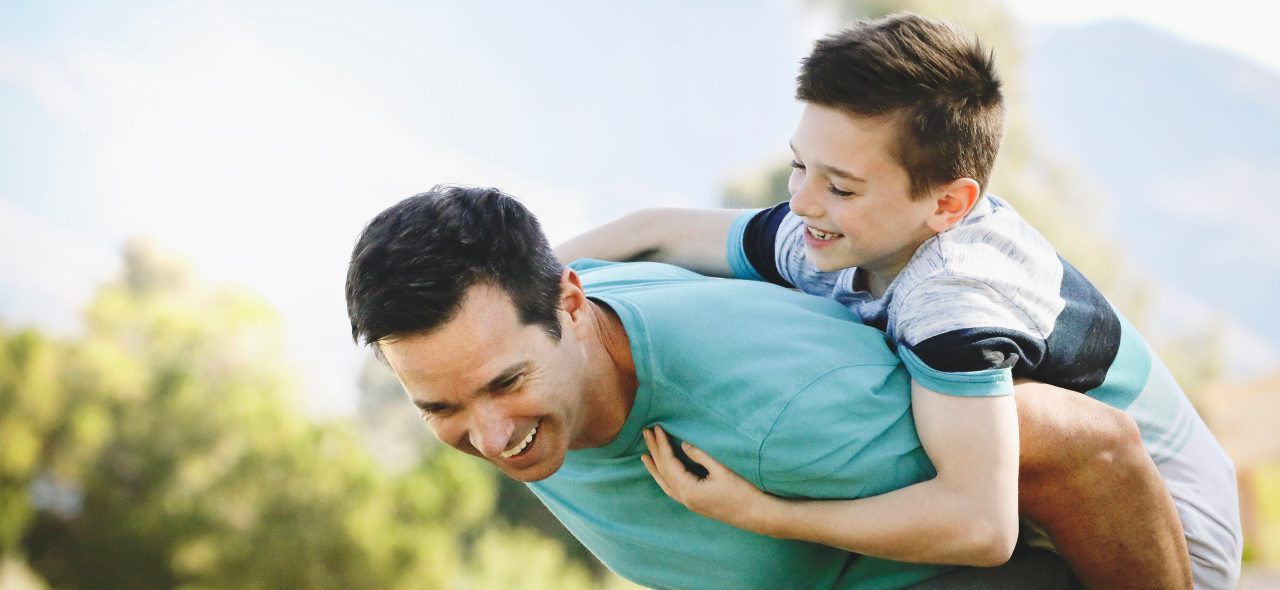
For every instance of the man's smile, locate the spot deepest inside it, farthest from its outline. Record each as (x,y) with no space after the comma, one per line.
(520,447)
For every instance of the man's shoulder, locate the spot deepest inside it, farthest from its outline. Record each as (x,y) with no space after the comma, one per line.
(594,271)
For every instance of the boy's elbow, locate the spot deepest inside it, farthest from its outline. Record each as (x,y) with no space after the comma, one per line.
(992,544)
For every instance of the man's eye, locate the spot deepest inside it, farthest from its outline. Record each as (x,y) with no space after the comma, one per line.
(797,165)
(509,384)
(433,411)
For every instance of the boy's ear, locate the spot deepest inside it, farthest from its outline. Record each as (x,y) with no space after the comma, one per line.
(955,200)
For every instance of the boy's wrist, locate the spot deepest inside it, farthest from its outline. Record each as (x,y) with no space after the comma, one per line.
(769,516)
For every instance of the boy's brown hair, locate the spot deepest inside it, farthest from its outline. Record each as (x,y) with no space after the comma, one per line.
(940,83)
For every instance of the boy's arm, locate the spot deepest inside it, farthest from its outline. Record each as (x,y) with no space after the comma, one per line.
(967,515)
(692,238)
(1084,476)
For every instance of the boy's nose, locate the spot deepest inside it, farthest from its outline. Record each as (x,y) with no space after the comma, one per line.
(803,204)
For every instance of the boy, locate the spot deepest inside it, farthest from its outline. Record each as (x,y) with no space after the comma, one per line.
(902,123)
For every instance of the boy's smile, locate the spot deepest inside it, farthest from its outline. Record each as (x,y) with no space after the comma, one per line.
(853,195)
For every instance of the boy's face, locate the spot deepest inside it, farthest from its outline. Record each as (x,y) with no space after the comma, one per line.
(853,195)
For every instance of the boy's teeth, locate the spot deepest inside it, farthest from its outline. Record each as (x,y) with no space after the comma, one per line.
(513,451)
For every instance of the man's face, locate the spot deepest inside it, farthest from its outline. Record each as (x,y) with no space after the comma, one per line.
(852,194)
(495,388)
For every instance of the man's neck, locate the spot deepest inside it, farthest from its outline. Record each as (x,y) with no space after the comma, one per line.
(613,381)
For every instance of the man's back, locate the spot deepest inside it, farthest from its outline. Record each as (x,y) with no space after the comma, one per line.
(801,418)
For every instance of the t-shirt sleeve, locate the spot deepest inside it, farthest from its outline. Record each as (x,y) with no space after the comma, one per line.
(962,337)
(751,244)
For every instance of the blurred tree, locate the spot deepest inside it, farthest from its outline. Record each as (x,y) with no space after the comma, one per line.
(163,449)
(393,431)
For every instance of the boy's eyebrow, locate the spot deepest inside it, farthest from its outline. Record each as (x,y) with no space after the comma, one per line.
(493,385)
(833,171)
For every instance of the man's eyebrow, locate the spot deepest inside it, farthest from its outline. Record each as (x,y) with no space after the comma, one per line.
(496,383)
(430,406)
(492,386)
(833,171)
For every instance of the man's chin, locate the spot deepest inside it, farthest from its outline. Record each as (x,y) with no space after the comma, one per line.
(536,472)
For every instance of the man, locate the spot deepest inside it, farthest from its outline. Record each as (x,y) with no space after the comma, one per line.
(551,376)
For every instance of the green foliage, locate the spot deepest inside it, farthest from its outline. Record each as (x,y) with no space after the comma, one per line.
(163,449)
(1266,547)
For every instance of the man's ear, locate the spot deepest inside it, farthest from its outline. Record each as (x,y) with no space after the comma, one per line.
(955,200)
(573,299)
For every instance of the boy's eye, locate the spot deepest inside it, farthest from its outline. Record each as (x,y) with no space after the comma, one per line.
(837,192)
(797,165)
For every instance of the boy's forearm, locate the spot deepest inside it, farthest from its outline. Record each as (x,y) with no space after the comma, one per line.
(929,522)
(1086,478)
(692,238)
(630,237)
(966,515)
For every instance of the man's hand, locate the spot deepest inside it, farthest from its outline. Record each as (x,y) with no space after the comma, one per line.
(721,495)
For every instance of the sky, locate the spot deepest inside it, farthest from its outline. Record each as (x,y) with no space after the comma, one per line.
(1243,27)
(255,138)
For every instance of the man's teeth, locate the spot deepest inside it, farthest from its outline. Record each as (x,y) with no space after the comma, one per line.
(513,451)
(822,235)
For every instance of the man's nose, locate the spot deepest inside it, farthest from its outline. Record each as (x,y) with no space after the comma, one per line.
(490,431)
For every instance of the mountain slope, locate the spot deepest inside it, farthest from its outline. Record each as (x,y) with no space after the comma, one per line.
(1185,141)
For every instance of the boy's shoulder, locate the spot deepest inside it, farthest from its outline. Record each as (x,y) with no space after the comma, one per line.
(993,244)
(992,270)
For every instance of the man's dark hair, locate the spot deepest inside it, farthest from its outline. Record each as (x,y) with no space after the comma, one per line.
(414,263)
(939,82)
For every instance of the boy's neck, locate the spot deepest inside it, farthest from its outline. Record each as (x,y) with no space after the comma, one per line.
(876,283)
(877,279)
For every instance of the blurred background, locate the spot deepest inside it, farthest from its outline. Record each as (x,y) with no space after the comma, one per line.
(181,183)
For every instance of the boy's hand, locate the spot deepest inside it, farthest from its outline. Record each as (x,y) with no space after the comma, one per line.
(721,495)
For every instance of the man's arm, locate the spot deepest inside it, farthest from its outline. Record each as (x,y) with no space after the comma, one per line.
(692,238)
(1086,478)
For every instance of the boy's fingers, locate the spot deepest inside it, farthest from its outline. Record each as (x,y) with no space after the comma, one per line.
(648,439)
(657,475)
(702,458)
(665,457)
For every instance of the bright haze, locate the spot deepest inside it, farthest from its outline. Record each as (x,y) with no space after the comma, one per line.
(255,139)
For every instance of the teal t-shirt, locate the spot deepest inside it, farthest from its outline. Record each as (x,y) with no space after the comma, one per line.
(788,390)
